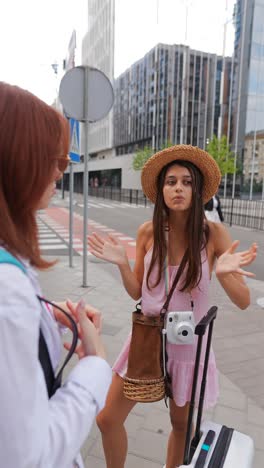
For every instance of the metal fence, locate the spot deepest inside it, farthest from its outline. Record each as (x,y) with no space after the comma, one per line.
(239,212)
(122,195)
(246,213)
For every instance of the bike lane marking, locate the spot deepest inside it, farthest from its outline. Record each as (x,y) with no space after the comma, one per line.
(58,219)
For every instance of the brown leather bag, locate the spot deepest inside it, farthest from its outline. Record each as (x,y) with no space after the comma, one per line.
(144,380)
(147,379)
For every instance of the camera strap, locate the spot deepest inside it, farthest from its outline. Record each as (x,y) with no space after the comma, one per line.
(170,290)
(53,382)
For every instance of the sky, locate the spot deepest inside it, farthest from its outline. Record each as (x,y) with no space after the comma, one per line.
(140,24)
(34,34)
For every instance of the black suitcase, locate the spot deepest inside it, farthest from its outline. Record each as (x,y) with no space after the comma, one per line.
(213,445)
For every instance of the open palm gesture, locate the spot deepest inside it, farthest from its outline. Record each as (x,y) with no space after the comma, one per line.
(233,262)
(110,250)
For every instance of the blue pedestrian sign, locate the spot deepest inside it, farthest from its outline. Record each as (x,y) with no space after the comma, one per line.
(75,141)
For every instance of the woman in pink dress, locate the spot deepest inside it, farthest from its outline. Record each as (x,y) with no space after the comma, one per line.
(179,180)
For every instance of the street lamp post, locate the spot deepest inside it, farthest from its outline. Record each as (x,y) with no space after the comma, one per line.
(255,129)
(238,107)
(55,68)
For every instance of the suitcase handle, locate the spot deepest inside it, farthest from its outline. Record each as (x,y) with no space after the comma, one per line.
(207,320)
(200,328)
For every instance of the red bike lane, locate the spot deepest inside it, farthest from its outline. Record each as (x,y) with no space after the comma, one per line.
(58,217)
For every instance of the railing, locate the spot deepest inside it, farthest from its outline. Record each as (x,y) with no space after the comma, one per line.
(122,195)
(244,213)
(239,212)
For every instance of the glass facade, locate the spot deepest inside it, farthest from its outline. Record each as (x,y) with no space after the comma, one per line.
(98,52)
(248,84)
(169,96)
(255,98)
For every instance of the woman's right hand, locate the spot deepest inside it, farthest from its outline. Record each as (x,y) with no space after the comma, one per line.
(110,250)
(91,343)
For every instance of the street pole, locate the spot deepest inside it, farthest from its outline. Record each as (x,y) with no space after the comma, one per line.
(220,119)
(206,102)
(238,106)
(154,135)
(62,186)
(229,117)
(213,98)
(182,128)
(253,159)
(86,104)
(71,190)
(255,129)
(186,22)
(85,179)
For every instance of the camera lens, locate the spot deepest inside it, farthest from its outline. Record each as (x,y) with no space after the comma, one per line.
(185,333)
(170,319)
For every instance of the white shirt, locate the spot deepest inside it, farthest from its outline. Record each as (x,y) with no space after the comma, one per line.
(213,214)
(36,432)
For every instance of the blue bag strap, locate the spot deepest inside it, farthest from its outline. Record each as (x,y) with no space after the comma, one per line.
(43,353)
(52,382)
(6,257)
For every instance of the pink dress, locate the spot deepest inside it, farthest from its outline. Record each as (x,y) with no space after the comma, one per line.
(181,358)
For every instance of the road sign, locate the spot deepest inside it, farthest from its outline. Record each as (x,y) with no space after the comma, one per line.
(75,141)
(86,94)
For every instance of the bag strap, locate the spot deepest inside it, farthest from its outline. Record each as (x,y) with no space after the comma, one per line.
(200,329)
(167,282)
(170,292)
(58,377)
(52,382)
(6,257)
(44,359)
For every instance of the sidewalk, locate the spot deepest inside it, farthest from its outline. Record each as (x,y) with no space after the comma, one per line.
(238,343)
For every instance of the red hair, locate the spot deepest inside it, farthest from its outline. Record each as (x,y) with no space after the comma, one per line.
(32,135)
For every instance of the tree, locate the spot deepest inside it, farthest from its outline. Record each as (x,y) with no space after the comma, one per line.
(142,155)
(220,151)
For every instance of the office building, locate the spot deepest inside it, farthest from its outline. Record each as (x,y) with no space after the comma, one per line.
(98,52)
(170,95)
(254,142)
(248,85)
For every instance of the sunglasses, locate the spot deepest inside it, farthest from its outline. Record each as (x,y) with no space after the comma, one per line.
(63,162)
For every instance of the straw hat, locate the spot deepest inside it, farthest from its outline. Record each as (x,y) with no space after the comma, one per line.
(197,156)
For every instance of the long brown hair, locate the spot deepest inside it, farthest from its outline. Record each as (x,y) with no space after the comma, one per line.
(32,135)
(196,231)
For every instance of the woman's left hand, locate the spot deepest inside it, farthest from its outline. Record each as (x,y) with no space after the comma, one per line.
(93,314)
(233,262)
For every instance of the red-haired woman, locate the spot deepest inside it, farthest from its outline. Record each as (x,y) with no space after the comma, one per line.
(177,245)
(35,430)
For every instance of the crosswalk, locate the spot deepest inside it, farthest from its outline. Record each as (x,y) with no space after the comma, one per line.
(53,227)
(49,236)
(110,205)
